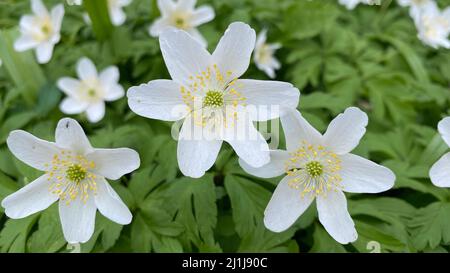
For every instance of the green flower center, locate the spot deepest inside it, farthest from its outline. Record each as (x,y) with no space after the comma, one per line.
(179,22)
(314,168)
(213,99)
(91,93)
(76,173)
(46,29)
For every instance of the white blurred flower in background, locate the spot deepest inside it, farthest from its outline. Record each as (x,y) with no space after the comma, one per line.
(74,2)
(182,14)
(41,30)
(115,9)
(264,55)
(89,93)
(351,4)
(416,7)
(433,26)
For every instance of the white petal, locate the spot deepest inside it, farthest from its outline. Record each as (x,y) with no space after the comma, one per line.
(44,52)
(72,106)
(184,56)
(297,129)
(166,7)
(275,167)
(440,171)
(248,143)
(158,99)
(286,206)
(186,4)
(70,135)
(346,130)
(444,129)
(31,150)
(158,27)
(38,8)
(57,15)
(25,42)
(28,23)
(202,15)
(233,52)
(198,36)
(86,70)
(114,163)
(30,199)
(268,99)
(70,86)
(110,205)
(77,219)
(114,92)
(195,154)
(261,38)
(334,216)
(95,112)
(364,176)
(109,75)
(118,16)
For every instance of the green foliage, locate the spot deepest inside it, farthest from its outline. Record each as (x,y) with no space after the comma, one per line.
(369,57)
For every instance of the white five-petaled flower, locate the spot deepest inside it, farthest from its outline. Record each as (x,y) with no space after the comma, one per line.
(320,167)
(40,30)
(433,26)
(75,175)
(440,171)
(182,15)
(351,4)
(89,93)
(264,55)
(214,105)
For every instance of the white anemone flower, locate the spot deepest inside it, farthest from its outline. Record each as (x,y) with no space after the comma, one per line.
(213,104)
(41,30)
(417,7)
(264,55)
(182,15)
(89,93)
(440,171)
(433,26)
(321,167)
(75,174)
(351,4)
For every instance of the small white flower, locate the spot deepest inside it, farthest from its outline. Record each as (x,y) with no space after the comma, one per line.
(351,4)
(116,12)
(264,55)
(416,7)
(214,105)
(41,30)
(433,26)
(182,15)
(75,175)
(74,2)
(440,171)
(89,93)
(321,167)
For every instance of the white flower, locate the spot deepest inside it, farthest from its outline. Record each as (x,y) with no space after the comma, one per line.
(74,2)
(416,7)
(89,93)
(351,4)
(440,171)
(116,12)
(182,15)
(433,26)
(264,55)
(75,175)
(41,30)
(320,167)
(213,103)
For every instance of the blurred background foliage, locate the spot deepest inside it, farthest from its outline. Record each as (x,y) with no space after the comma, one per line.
(369,57)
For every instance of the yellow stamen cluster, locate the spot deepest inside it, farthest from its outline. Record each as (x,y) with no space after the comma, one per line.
(212,89)
(70,177)
(313,170)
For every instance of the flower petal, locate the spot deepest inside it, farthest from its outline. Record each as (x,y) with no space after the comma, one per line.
(109,75)
(114,92)
(198,36)
(77,219)
(44,52)
(233,52)
(118,16)
(95,112)
(158,27)
(297,129)
(28,23)
(285,207)
(110,205)
(70,86)
(268,99)
(72,106)
(166,7)
(444,129)
(346,130)
(440,171)
(86,70)
(39,8)
(25,42)
(31,150)
(364,176)
(158,99)
(184,56)
(30,199)
(70,135)
(192,146)
(57,15)
(186,4)
(275,167)
(334,216)
(114,163)
(201,15)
